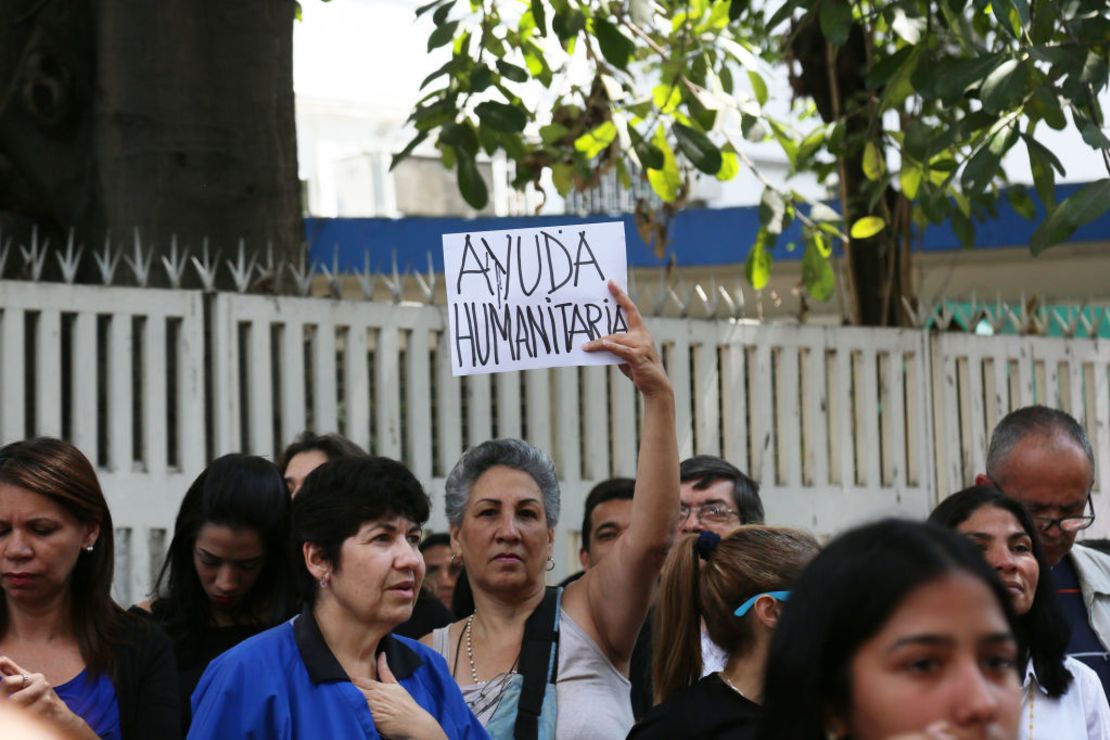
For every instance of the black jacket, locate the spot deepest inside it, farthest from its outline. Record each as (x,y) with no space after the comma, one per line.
(145,680)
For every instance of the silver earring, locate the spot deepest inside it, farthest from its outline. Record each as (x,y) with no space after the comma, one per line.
(89,548)
(550,565)
(324,581)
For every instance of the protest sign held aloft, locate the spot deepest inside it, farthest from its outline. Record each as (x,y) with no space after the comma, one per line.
(530,298)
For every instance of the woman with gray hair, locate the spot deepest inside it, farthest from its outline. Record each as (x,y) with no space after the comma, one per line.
(535,662)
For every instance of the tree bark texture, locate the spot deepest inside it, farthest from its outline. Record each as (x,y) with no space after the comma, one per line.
(174,117)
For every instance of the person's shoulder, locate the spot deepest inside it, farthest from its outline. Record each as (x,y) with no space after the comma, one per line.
(424,652)
(1085,678)
(1089,559)
(259,652)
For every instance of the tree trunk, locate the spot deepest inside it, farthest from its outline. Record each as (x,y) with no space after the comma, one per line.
(172,117)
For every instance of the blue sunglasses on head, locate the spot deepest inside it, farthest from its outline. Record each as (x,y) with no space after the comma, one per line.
(747,605)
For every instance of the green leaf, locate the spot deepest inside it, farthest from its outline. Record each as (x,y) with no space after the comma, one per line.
(537,64)
(461,136)
(425,8)
(916,142)
(650,156)
(735,8)
(985,165)
(446,68)
(442,35)
(883,69)
(817,272)
(481,78)
(1093,135)
(471,184)
(538,13)
(772,211)
(666,97)
(758,266)
(730,164)
(567,23)
(511,71)
(502,117)
(595,141)
(1005,86)
(665,181)
(615,46)
(910,178)
(836,20)
(867,227)
(964,229)
(955,78)
(1080,208)
(873,166)
(440,15)
(552,133)
(563,177)
(399,156)
(697,148)
(759,87)
(1018,195)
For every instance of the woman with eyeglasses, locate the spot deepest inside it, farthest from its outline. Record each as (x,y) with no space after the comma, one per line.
(736,586)
(1061,697)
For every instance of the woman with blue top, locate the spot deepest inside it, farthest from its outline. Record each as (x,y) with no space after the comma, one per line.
(1060,696)
(335,671)
(736,586)
(68,653)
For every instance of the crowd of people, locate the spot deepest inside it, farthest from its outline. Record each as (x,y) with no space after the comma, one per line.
(300,600)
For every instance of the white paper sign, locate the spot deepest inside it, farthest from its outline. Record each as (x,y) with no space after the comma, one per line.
(530,298)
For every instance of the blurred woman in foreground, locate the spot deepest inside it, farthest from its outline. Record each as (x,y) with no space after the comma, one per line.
(896,629)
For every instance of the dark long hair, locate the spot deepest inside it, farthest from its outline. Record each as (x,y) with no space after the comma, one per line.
(242,492)
(58,470)
(1042,632)
(841,600)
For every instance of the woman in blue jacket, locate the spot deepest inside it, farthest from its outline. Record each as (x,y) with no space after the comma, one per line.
(335,670)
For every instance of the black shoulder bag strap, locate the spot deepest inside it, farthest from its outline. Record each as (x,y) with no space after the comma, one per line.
(541,641)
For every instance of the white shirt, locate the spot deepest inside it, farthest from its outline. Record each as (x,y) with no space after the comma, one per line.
(1080,714)
(713,659)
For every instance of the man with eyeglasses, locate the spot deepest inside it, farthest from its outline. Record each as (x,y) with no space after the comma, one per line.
(716,497)
(1043,458)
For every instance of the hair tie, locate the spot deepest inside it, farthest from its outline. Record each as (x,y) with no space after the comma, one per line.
(706,543)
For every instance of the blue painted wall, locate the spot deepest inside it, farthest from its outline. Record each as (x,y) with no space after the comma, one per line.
(699,237)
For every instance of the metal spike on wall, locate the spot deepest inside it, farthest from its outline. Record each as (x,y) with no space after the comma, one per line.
(70,261)
(332,273)
(242,269)
(206,267)
(5,249)
(428,286)
(302,274)
(34,257)
(140,264)
(366,278)
(106,263)
(174,264)
(394,282)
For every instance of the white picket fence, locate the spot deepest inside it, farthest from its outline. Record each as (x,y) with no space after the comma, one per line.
(838,424)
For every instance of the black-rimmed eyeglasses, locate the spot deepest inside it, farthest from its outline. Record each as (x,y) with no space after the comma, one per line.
(1067,523)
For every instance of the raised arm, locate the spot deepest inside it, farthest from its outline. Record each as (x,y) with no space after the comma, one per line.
(612,599)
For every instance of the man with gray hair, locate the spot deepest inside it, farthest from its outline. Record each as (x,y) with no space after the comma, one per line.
(1043,458)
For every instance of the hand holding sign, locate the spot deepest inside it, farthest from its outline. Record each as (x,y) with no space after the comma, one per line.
(530,298)
(636,349)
